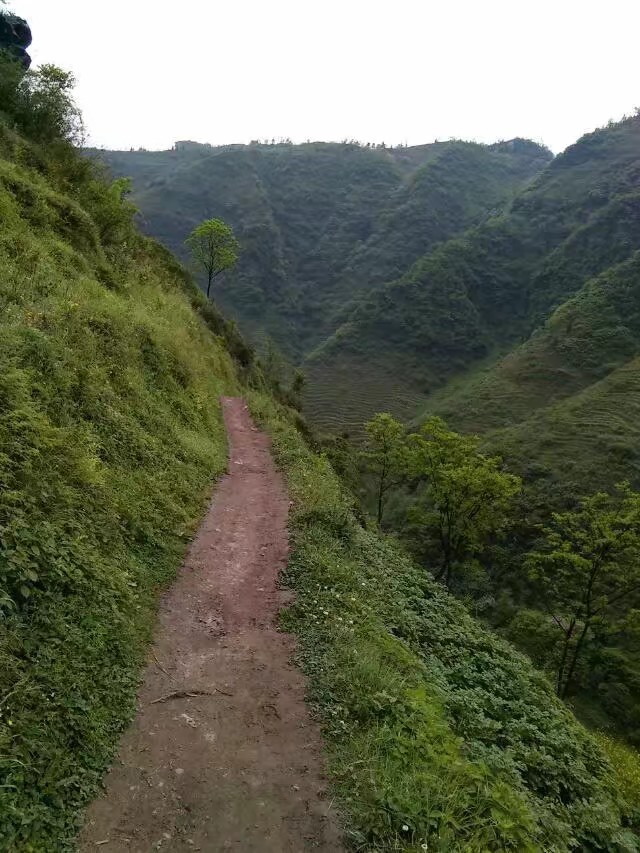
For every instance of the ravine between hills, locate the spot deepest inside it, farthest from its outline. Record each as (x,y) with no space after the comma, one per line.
(223,754)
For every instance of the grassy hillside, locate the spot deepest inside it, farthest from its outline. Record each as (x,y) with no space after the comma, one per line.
(440,735)
(479,295)
(563,411)
(587,337)
(320,223)
(110,440)
(563,408)
(525,330)
(111,367)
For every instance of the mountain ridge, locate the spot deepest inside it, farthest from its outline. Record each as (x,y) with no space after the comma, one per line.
(499,280)
(310,217)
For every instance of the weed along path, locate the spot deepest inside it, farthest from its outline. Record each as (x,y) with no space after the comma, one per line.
(222,754)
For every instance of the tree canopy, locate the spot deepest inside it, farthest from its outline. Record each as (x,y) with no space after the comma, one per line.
(587,566)
(466,497)
(214,248)
(384,456)
(39,102)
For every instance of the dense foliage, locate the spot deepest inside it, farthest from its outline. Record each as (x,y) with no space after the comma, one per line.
(588,572)
(39,102)
(467,522)
(463,498)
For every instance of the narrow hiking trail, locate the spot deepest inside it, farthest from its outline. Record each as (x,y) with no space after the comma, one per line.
(222,754)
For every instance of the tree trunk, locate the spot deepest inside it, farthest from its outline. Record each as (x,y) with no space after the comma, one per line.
(209,285)
(574,659)
(445,569)
(381,490)
(563,660)
(380,502)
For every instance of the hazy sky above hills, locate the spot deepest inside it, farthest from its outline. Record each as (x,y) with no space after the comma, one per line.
(412,71)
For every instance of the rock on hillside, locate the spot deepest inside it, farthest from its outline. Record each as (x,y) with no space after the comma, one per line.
(15,37)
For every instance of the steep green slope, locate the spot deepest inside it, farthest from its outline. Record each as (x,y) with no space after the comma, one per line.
(440,735)
(322,223)
(462,185)
(481,294)
(586,338)
(563,411)
(564,407)
(590,441)
(110,437)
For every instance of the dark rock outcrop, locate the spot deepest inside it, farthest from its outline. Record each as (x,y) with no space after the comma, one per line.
(15,37)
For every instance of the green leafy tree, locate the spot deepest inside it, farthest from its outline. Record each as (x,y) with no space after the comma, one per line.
(467,497)
(214,248)
(384,456)
(587,570)
(53,111)
(40,103)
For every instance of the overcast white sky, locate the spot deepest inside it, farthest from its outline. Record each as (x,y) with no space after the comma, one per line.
(150,72)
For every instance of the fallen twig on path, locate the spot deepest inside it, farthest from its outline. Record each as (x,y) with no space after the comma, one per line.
(188,694)
(159,665)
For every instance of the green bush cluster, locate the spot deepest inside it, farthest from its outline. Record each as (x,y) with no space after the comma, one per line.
(441,736)
(39,103)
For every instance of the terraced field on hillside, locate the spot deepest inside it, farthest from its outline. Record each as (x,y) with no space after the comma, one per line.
(591,440)
(357,388)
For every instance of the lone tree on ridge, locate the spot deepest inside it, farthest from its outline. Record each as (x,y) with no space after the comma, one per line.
(213,248)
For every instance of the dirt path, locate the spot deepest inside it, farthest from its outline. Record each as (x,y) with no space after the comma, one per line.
(238,764)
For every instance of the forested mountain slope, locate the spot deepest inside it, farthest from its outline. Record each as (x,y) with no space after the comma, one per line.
(320,224)
(347,265)
(479,295)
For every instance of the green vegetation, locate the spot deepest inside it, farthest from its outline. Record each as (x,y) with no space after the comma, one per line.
(465,497)
(213,248)
(627,765)
(39,103)
(321,223)
(484,285)
(524,331)
(588,572)
(564,586)
(111,367)
(583,572)
(441,736)
(441,281)
(477,297)
(383,457)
